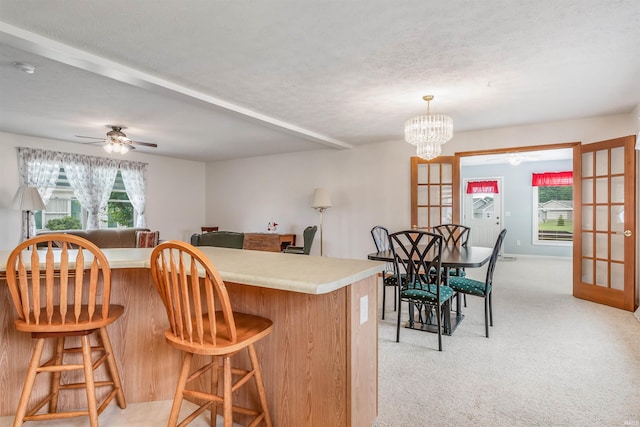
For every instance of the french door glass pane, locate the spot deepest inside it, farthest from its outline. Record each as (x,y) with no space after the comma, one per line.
(617,218)
(447,173)
(447,215)
(602,273)
(423,171)
(434,213)
(434,175)
(617,189)
(447,195)
(587,191)
(587,165)
(617,247)
(423,217)
(602,162)
(617,276)
(587,218)
(602,245)
(423,195)
(602,218)
(434,196)
(587,271)
(617,160)
(602,190)
(587,244)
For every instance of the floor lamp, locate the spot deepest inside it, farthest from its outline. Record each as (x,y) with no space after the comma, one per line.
(321,201)
(28,199)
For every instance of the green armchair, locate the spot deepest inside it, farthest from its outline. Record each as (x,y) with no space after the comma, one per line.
(308,234)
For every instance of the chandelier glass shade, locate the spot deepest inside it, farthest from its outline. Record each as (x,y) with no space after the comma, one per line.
(428,132)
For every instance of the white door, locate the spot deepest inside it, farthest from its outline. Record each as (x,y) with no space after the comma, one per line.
(482,212)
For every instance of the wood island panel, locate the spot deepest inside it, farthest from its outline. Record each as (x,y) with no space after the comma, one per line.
(320,363)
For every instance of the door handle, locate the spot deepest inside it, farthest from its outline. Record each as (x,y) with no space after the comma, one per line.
(627,233)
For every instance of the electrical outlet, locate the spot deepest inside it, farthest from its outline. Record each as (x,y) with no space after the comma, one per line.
(517,242)
(364,309)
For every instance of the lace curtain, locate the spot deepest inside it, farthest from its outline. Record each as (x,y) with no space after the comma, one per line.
(92,180)
(134,177)
(37,168)
(90,177)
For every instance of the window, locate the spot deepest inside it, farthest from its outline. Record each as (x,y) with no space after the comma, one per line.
(83,191)
(553,208)
(63,211)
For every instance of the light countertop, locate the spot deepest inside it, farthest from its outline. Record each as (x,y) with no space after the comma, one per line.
(290,272)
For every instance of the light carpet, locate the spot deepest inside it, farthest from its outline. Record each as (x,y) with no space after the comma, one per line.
(551,359)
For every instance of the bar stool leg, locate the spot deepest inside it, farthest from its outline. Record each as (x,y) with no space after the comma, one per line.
(214,390)
(227,402)
(32,371)
(87,361)
(262,394)
(113,367)
(55,378)
(182,381)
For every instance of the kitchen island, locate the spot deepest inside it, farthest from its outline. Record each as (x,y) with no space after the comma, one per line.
(320,364)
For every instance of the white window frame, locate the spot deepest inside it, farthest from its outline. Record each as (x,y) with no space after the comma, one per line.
(534,235)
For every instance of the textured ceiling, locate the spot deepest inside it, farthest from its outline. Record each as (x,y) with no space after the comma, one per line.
(214,80)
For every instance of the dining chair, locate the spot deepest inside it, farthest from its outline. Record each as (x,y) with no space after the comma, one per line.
(62,295)
(418,254)
(308,234)
(381,240)
(454,235)
(202,322)
(467,286)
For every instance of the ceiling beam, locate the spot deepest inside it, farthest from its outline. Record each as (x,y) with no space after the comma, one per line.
(42,46)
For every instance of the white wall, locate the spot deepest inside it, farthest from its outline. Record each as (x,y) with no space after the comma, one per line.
(175,188)
(369,185)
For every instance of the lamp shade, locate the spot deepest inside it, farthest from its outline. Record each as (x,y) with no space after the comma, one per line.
(321,199)
(28,199)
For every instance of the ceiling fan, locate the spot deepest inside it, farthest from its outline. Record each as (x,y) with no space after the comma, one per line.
(116,141)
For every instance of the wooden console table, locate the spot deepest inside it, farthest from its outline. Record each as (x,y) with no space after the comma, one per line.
(269,242)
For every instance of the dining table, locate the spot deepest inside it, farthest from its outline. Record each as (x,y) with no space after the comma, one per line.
(451,257)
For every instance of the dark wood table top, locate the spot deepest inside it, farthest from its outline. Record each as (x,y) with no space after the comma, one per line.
(452,256)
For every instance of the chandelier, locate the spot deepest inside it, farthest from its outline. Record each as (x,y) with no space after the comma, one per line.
(428,132)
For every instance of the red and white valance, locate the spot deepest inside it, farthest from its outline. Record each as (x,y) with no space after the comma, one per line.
(475,187)
(552,179)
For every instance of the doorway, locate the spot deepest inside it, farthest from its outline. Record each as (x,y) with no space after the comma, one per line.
(482,209)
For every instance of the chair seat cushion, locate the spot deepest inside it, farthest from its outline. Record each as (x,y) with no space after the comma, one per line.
(424,295)
(391,279)
(468,286)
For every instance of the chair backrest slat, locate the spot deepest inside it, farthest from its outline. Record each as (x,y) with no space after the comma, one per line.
(453,234)
(47,301)
(179,272)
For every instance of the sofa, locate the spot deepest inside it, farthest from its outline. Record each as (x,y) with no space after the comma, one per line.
(106,237)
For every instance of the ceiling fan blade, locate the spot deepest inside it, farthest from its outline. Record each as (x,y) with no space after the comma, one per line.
(148,144)
(89,137)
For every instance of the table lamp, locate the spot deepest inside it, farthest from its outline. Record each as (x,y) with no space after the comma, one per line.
(321,201)
(27,199)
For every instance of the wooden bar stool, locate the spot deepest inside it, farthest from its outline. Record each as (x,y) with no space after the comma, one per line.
(57,299)
(202,322)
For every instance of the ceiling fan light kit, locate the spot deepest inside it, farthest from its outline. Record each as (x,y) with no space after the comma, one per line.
(428,132)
